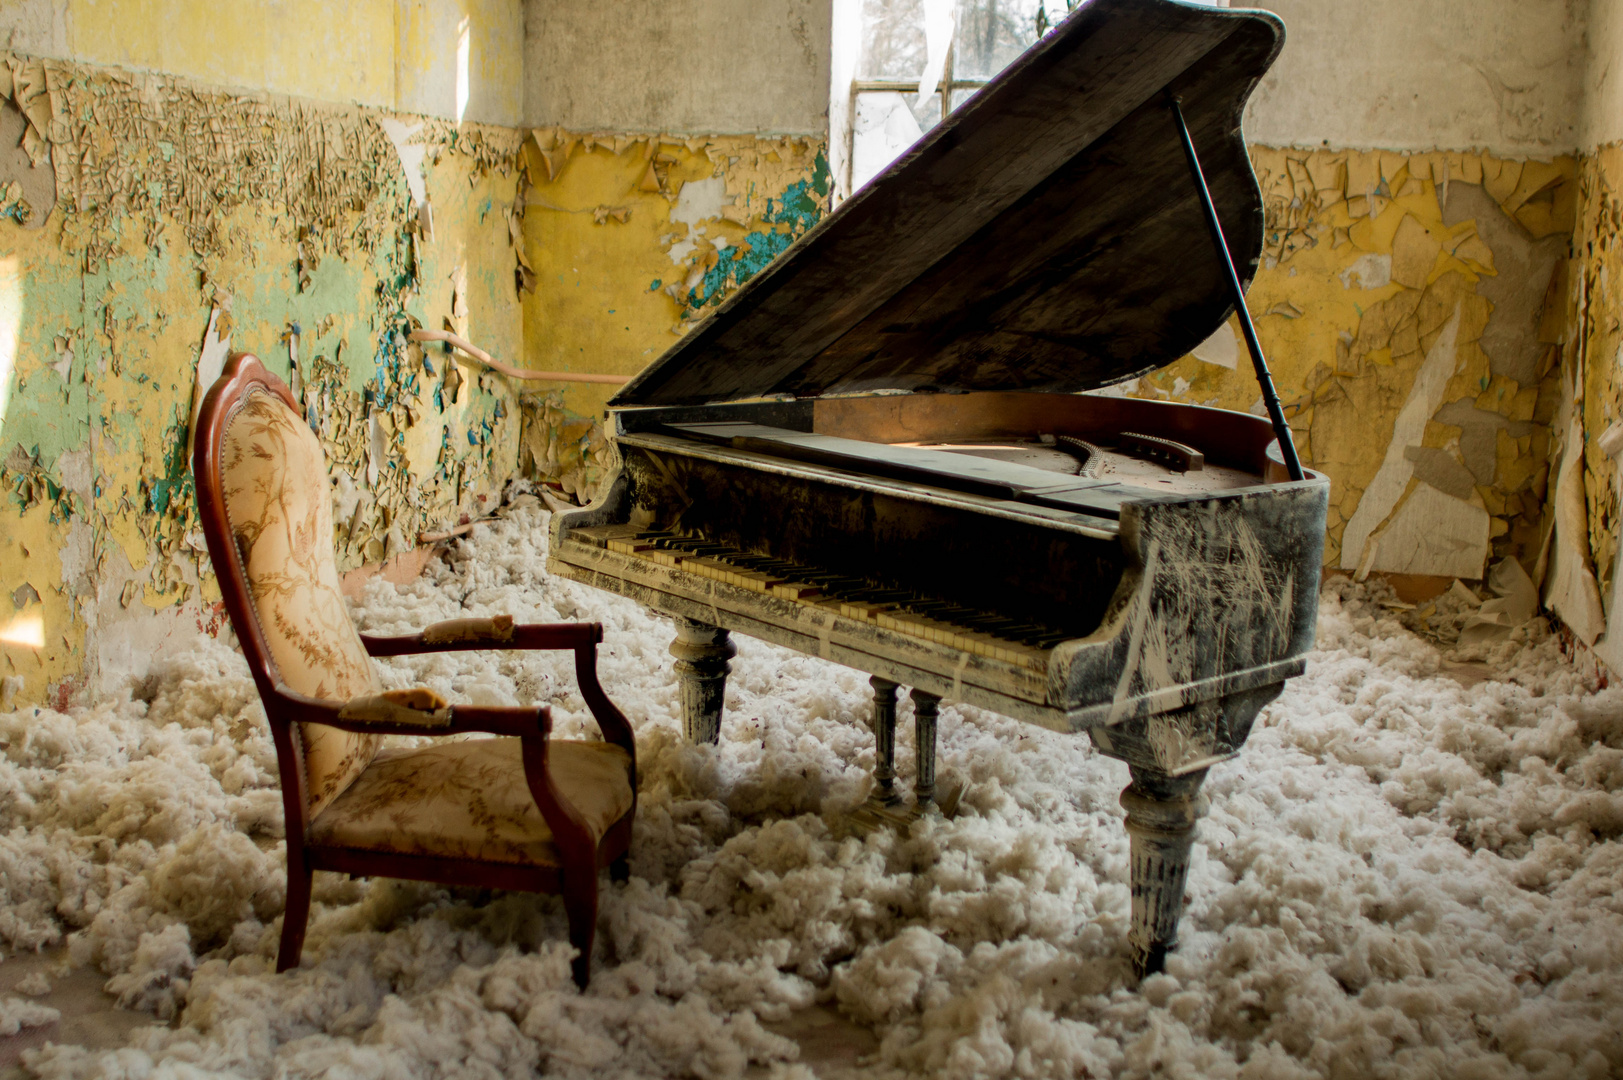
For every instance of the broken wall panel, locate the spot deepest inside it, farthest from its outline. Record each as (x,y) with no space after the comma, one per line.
(189,221)
(1586,520)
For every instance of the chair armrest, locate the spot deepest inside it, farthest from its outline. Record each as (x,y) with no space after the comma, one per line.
(374,714)
(498,632)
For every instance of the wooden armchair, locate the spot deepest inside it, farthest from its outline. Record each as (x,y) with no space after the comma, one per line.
(526,812)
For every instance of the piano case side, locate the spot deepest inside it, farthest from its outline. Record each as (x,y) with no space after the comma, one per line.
(1216,611)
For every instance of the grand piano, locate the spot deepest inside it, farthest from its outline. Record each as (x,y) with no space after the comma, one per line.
(881,450)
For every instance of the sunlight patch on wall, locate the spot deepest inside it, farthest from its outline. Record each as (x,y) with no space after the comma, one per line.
(462,47)
(26,629)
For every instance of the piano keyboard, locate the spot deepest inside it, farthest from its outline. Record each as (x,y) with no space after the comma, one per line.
(905,611)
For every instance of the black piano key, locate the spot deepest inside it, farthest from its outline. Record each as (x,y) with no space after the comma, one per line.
(844,584)
(881,596)
(987,623)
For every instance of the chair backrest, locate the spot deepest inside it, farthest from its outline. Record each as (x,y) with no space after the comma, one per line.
(266,502)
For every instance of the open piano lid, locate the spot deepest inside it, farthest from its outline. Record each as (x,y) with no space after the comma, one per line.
(1045,236)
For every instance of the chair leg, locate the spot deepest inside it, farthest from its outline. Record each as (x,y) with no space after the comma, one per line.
(296,917)
(580,904)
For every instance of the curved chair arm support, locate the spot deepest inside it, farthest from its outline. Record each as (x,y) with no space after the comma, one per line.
(610,720)
(570,832)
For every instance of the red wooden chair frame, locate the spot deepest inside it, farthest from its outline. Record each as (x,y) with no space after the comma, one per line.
(581,857)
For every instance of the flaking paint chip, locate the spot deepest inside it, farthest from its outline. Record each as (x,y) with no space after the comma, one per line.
(1414,253)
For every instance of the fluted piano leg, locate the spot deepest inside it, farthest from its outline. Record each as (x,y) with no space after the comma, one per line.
(702,653)
(925,710)
(884,738)
(1161,815)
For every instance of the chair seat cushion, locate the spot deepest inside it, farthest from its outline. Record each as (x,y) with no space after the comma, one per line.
(469,800)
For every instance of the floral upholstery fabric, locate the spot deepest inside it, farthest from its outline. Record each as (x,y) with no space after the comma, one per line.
(470,800)
(278,499)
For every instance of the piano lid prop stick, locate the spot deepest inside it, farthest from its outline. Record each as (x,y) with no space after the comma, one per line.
(1276,414)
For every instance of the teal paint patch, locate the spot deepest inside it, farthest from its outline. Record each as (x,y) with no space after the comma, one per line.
(789,217)
(31,484)
(653,286)
(171,493)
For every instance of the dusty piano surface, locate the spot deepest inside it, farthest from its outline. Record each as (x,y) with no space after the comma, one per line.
(878,451)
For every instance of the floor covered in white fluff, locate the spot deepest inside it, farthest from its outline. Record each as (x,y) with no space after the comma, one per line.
(1401,876)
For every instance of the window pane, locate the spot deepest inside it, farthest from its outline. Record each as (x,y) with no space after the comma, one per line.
(886,124)
(893,46)
(991,33)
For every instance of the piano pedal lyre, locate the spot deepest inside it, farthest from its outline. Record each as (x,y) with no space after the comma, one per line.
(885,808)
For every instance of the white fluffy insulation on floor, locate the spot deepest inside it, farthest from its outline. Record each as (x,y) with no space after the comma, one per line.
(1399,877)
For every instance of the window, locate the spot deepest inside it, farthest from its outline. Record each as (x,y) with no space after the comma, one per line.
(900,66)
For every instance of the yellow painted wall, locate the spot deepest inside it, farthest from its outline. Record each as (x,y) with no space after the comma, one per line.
(1370,257)
(307,47)
(410,55)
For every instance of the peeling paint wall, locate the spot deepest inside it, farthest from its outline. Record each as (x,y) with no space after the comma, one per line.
(187,222)
(1585,507)
(150,224)
(1421,301)
(1581,552)
(1537,84)
(1401,304)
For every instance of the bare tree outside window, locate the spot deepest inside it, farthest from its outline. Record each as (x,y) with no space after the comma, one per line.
(888,112)
(991,33)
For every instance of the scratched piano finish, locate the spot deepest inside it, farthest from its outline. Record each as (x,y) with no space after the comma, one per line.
(876,453)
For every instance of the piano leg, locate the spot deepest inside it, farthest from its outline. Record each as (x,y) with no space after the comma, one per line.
(1161,815)
(884,739)
(925,708)
(702,653)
